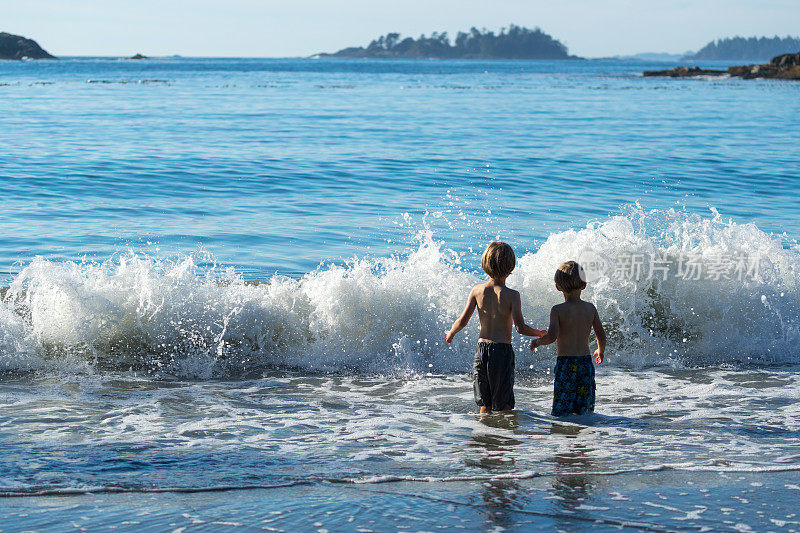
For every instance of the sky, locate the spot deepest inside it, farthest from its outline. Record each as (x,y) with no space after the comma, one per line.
(292,28)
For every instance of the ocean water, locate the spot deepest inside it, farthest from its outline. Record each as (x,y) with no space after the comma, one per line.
(226,282)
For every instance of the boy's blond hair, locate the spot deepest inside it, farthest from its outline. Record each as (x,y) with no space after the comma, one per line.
(498,260)
(570,277)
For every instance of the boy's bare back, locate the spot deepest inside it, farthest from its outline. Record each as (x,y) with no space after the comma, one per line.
(499,309)
(495,303)
(573,321)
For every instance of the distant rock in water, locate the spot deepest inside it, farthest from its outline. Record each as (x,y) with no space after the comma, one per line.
(19,47)
(684,72)
(743,49)
(786,61)
(514,42)
(138,56)
(785,67)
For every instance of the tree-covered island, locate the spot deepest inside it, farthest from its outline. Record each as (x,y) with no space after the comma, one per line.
(744,49)
(514,42)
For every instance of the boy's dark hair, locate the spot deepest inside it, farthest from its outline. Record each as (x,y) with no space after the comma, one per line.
(498,260)
(570,277)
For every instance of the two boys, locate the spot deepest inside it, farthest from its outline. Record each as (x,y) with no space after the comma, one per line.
(570,324)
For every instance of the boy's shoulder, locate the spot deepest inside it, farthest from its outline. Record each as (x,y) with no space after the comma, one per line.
(505,293)
(508,294)
(480,287)
(510,291)
(477,290)
(564,306)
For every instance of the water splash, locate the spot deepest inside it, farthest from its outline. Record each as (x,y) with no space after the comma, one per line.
(388,315)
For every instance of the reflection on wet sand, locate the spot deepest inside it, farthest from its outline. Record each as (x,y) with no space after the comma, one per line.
(573,487)
(495,453)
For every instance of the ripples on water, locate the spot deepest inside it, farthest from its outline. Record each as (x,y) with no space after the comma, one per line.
(280,164)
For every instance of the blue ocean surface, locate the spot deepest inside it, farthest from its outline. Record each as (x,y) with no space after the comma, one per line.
(225,284)
(278,165)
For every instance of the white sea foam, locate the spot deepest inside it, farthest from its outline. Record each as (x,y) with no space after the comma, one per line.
(389,315)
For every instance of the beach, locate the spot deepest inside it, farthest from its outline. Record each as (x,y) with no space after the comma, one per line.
(226,284)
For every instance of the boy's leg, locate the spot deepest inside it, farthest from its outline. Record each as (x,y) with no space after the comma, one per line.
(563,387)
(480,380)
(585,387)
(500,370)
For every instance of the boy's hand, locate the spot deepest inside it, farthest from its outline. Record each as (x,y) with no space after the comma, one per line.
(598,356)
(534,344)
(449,336)
(541,332)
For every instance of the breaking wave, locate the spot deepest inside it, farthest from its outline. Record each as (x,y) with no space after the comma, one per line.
(389,315)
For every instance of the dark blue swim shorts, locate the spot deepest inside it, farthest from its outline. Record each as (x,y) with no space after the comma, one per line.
(573,391)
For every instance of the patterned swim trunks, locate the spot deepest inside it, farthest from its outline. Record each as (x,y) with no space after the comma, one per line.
(573,390)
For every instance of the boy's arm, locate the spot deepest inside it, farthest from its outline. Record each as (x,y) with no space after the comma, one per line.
(463,320)
(600,333)
(519,320)
(552,331)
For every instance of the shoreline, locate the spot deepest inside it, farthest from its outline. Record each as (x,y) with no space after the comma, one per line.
(655,501)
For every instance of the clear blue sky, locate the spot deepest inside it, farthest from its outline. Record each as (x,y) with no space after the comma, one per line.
(267,28)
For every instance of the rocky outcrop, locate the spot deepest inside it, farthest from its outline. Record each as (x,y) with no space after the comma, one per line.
(138,56)
(786,61)
(785,67)
(684,72)
(18,47)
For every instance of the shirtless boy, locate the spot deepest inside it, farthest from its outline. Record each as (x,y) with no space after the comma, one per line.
(570,325)
(498,306)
